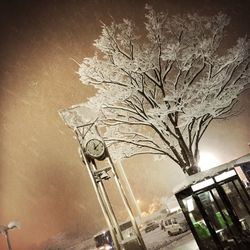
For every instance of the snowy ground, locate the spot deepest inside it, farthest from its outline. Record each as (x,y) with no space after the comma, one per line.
(185,243)
(154,240)
(159,240)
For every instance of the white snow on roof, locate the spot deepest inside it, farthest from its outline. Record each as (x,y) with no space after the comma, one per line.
(189,180)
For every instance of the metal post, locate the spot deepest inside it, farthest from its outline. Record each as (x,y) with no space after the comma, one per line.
(130,191)
(111,212)
(180,197)
(208,222)
(125,201)
(8,239)
(109,207)
(102,204)
(103,198)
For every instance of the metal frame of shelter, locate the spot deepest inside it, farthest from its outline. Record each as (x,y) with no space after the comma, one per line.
(217,208)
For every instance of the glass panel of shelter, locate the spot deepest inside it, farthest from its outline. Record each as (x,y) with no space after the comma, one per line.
(213,225)
(219,218)
(205,240)
(225,221)
(239,201)
(219,212)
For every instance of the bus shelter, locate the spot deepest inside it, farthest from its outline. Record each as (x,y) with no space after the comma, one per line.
(216,205)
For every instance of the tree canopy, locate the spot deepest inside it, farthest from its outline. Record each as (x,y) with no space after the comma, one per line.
(157,90)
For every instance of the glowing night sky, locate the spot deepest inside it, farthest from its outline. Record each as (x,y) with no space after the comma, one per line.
(42,181)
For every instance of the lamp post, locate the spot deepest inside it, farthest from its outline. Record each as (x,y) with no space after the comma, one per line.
(129,189)
(5,231)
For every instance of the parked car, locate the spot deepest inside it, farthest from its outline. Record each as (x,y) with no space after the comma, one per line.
(104,241)
(151,226)
(174,228)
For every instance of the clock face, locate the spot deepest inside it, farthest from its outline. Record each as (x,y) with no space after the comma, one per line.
(95,148)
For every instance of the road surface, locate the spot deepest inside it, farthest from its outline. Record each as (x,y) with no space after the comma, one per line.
(159,240)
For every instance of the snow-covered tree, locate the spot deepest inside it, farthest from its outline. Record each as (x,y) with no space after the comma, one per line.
(158,91)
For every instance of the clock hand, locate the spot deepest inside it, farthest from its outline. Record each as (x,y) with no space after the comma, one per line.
(96,146)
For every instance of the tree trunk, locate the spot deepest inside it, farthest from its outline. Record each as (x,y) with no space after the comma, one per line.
(193,170)
(190,167)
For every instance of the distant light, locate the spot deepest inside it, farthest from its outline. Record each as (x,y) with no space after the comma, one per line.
(190,205)
(207,161)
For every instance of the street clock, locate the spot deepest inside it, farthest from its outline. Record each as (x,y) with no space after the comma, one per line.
(95,149)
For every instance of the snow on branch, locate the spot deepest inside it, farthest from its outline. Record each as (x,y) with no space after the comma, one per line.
(167,83)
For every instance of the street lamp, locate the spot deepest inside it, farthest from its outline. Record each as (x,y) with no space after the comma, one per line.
(130,191)
(5,231)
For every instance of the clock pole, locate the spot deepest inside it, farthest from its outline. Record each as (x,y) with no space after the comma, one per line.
(126,204)
(102,197)
(108,204)
(93,149)
(129,189)
(123,196)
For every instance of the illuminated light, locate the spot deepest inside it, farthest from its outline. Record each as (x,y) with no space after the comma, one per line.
(192,217)
(202,184)
(190,205)
(107,247)
(225,175)
(207,161)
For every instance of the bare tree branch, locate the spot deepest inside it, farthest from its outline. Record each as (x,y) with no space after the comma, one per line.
(159,95)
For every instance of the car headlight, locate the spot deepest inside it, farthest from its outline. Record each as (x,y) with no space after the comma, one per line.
(105,247)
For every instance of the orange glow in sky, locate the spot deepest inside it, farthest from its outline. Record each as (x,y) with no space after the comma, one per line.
(43,183)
